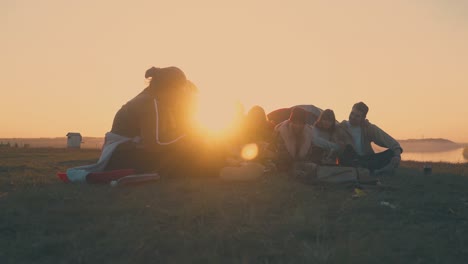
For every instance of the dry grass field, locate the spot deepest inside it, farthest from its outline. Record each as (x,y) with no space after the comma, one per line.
(199,219)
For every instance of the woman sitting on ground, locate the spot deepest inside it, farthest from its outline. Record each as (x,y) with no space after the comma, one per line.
(253,129)
(328,139)
(256,127)
(259,130)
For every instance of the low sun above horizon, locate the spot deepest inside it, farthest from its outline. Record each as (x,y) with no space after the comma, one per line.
(217,115)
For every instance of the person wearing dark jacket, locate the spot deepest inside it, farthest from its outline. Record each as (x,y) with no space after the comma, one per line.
(154,132)
(159,123)
(149,120)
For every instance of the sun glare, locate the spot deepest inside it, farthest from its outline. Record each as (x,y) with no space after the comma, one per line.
(216,115)
(249,151)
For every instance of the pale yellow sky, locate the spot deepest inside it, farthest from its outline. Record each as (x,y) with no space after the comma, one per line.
(70,65)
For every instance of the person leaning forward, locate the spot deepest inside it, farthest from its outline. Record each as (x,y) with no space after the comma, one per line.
(154,132)
(158,123)
(149,120)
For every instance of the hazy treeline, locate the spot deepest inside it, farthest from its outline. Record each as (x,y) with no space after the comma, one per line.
(58,142)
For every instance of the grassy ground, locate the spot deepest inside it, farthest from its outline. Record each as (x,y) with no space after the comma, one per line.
(424,219)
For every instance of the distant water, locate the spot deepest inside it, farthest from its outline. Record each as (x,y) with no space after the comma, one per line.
(451,156)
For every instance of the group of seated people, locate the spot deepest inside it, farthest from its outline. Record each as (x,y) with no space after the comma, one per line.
(327,142)
(156,131)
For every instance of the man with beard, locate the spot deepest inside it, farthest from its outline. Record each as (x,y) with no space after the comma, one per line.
(362,133)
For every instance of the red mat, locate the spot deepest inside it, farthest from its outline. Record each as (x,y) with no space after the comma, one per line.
(63,176)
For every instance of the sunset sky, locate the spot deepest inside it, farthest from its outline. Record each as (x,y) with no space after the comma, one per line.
(70,65)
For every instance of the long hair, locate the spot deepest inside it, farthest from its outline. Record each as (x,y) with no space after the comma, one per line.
(256,125)
(327,115)
(256,115)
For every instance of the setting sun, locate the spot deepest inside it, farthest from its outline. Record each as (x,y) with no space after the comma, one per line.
(216,114)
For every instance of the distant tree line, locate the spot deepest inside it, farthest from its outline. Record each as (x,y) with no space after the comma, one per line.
(14,145)
(58,142)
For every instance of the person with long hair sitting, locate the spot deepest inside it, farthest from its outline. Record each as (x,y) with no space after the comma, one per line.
(329,139)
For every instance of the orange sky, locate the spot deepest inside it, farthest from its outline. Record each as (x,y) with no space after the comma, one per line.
(70,65)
